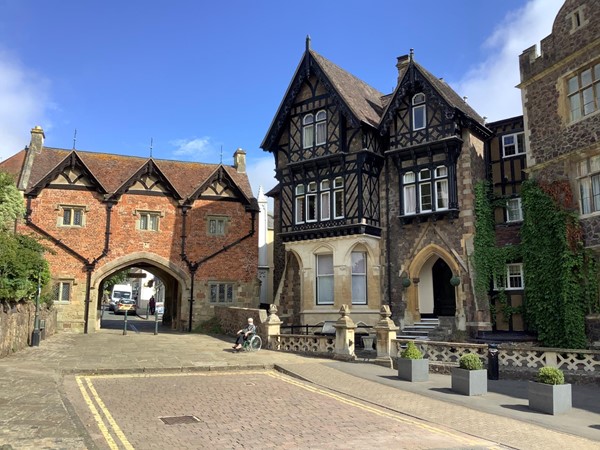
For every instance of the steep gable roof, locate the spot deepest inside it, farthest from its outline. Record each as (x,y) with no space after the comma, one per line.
(357,100)
(441,87)
(114,172)
(14,165)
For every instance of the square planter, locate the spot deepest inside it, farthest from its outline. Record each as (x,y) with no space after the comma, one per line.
(368,342)
(549,398)
(469,382)
(413,369)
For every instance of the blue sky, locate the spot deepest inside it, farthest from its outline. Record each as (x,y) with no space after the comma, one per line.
(196,76)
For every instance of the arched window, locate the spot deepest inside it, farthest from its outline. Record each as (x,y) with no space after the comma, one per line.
(325,200)
(419,112)
(300,212)
(321,125)
(308,131)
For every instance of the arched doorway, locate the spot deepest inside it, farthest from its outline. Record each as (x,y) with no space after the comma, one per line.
(444,294)
(147,277)
(436,296)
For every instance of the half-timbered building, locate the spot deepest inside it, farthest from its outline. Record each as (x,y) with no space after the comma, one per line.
(375,196)
(506,162)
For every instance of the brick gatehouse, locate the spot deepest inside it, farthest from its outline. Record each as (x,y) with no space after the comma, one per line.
(190,224)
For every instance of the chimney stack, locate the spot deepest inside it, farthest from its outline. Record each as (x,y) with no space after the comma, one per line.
(37,139)
(402,64)
(239,160)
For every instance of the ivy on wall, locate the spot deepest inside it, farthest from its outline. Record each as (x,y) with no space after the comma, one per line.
(561,276)
(489,259)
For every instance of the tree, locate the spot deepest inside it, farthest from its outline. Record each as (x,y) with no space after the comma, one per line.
(11,202)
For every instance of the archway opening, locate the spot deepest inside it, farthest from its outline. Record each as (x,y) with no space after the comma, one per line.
(444,294)
(155,299)
(437,297)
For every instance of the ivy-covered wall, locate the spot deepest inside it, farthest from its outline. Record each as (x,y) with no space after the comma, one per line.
(561,276)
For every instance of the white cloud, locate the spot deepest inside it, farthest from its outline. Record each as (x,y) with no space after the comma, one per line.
(261,172)
(490,86)
(196,148)
(24,102)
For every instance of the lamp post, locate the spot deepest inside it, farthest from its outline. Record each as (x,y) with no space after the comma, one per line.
(35,337)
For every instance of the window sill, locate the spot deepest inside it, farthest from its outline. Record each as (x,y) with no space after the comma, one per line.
(590,215)
(434,216)
(582,118)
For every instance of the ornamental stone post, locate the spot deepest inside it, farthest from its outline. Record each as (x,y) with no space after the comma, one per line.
(273,328)
(386,331)
(344,336)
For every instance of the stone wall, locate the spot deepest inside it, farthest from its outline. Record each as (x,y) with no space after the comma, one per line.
(232,319)
(17,323)
(592,329)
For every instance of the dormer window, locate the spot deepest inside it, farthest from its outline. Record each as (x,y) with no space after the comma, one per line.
(314,129)
(308,130)
(419,112)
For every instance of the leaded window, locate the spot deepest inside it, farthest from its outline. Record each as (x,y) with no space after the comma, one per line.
(221,292)
(72,216)
(583,91)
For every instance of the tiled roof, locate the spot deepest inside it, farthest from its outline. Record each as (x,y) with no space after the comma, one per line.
(450,95)
(13,165)
(112,170)
(362,99)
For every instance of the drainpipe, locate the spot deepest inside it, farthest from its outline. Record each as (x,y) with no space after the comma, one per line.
(387,234)
(194,266)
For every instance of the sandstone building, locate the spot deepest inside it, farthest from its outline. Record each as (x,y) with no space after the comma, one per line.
(190,224)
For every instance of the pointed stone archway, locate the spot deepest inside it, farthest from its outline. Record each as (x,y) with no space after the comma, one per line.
(431,294)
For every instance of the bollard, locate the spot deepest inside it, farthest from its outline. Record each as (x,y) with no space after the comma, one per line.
(493,366)
(155,322)
(125,325)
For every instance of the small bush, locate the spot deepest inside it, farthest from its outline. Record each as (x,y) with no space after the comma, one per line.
(470,361)
(411,352)
(550,375)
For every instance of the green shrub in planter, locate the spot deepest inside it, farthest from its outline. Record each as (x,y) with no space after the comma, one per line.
(470,361)
(550,375)
(411,352)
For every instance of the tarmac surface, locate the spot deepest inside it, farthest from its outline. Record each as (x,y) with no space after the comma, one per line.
(73,391)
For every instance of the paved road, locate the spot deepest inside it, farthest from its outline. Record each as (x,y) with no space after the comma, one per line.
(246,409)
(144,377)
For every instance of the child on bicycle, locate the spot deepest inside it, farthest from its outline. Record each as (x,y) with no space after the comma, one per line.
(244,334)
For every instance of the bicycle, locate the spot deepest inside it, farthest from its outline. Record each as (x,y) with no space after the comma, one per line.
(252,344)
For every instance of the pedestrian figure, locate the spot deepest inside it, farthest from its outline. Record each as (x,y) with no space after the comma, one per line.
(152,305)
(244,334)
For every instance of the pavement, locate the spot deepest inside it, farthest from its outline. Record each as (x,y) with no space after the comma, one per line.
(41,406)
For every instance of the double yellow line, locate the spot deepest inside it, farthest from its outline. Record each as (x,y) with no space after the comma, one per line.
(109,427)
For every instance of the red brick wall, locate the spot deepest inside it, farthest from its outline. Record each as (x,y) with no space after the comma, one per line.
(238,264)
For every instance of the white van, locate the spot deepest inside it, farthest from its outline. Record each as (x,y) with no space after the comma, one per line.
(120,292)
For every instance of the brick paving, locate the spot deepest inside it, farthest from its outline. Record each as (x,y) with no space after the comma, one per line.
(42,407)
(251,410)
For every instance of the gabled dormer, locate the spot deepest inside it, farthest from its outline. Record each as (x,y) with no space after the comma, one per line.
(325,111)
(425,109)
(71,173)
(148,180)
